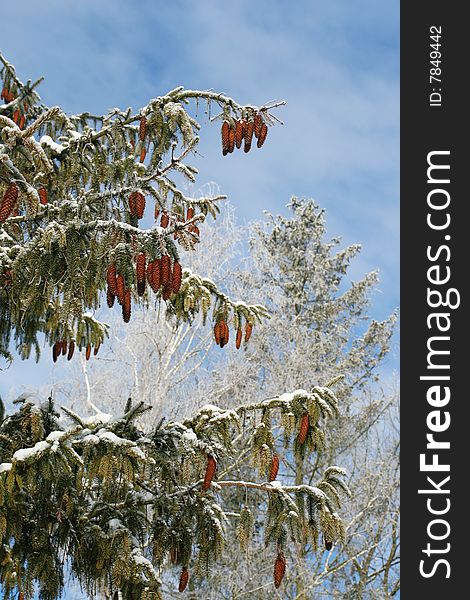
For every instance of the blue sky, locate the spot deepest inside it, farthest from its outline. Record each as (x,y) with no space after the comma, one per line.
(336,63)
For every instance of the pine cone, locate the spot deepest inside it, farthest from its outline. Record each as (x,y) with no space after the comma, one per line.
(96,349)
(165,220)
(139,204)
(225,334)
(303,429)
(156,275)
(71,350)
(238,341)
(43,195)
(328,543)
(248,330)
(111,279)
(167,291)
(140,267)
(225,136)
(142,128)
(133,204)
(64,347)
(16,116)
(248,135)
(274,469)
(190,213)
(88,352)
(8,203)
(143,154)
(279,569)
(55,351)
(22,122)
(262,135)
(257,123)
(166,269)
(209,474)
(120,287)
(110,298)
(239,130)
(231,138)
(126,306)
(184,578)
(217,332)
(177,273)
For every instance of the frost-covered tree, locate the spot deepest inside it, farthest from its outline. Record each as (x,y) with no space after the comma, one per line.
(289,257)
(117,505)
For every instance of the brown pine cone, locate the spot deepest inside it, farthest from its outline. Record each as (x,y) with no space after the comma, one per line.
(143,154)
(184,578)
(328,543)
(274,469)
(303,428)
(248,135)
(225,135)
(166,269)
(43,196)
(139,205)
(110,298)
(209,474)
(63,347)
(140,265)
(217,332)
(111,279)
(239,130)
(133,204)
(257,123)
(16,116)
(225,334)
(231,138)
(88,352)
(190,213)
(96,349)
(22,122)
(126,306)
(120,287)
(142,128)
(238,341)
(262,135)
(55,351)
(248,330)
(279,569)
(8,203)
(177,273)
(167,291)
(157,275)
(71,350)
(165,220)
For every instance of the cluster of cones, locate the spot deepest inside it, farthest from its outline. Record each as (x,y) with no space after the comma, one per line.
(62,348)
(159,274)
(222,334)
(242,131)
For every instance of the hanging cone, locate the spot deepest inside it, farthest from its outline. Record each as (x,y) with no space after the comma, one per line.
(238,341)
(217,333)
(120,288)
(248,135)
(248,330)
(279,569)
(157,275)
(225,134)
(165,220)
(8,203)
(43,196)
(177,273)
(257,123)
(239,130)
(55,351)
(126,306)
(166,269)
(231,139)
(304,427)
(111,279)
(262,135)
(96,349)
(274,469)
(142,128)
(71,350)
(184,578)
(143,154)
(88,352)
(64,347)
(139,205)
(210,472)
(140,265)
(190,213)
(110,298)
